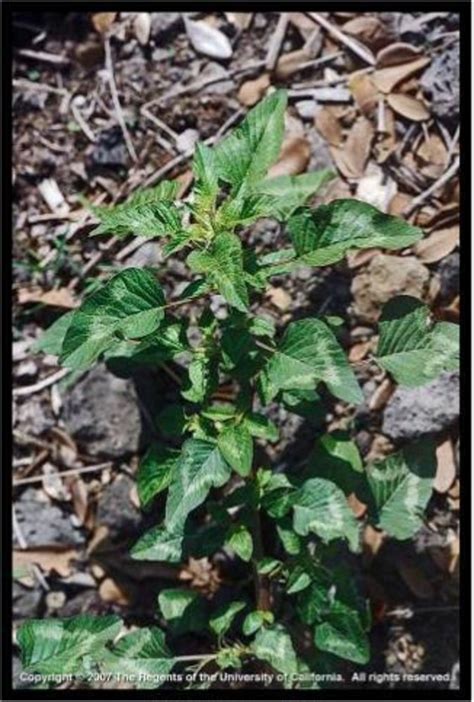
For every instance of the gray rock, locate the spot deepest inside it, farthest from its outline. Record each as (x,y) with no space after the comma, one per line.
(320,155)
(440,82)
(44,524)
(448,272)
(26,600)
(109,151)
(220,87)
(416,412)
(148,255)
(101,412)
(116,509)
(34,416)
(162,22)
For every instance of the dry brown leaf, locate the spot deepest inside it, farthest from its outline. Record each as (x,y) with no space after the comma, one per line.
(408,107)
(291,62)
(358,508)
(109,591)
(365,93)
(413,576)
(399,204)
(446,467)
(185,181)
(369,30)
(382,395)
(102,21)
(437,245)
(304,25)
(386,145)
(328,126)
(201,575)
(385,79)
(294,157)
(57,559)
(359,351)
(356,259)
(241,20)
(372,540)
(351,159)
(62,297)
(396,53)
(80,497)
(253,90)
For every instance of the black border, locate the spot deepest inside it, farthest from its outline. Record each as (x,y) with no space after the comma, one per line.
(464,9)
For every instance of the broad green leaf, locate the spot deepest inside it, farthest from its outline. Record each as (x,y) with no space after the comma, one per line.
(206,184)
(247,153)
(222,263)
(308,354)
(305,403)
(255,620)
(284,194)
(221,621)
(342,635)
(299,579)
(149,213)
(200,467)
(412,348)
(336,457)
(51,340)
(269,565)
(292,543)
(240,541)
(59,645)
(138,655)
(202,378)
(236,445)
(401,486)
(155,472)
(184,610)
(278,495)
(274,645)
(171,421)
(159,544)
(324,235)
(321,508)
(129,305)
(219,413)
(314,602)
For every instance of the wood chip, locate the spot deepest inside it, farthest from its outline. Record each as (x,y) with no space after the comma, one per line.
(109,591)
(142,27)
(294,157)
(53,484)
(102,21)
(359,351)
(397,53)
(358,507)
(253,90)
(52,195)
(57,559)
(408,107)
(446,467)
(328,126)
(376,188)
(280,298)
(241,20)
(372,540)
(382,395)
(437,245)
(207,40)
(367,29)
(385,79)
(80,497)
(291,62)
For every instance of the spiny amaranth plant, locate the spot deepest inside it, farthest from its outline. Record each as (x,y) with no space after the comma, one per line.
(291,527)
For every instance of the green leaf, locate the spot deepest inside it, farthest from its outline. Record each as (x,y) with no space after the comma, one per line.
(240,541)
(149,213)
(159,544)
(324,235)
(292,543)
(129,305)
(155,472)
(58,645)
(247,153)
(299,579)
(51,340)
(401,486)
(139,655)
(412,348)
(171,421)
(305,403)
(342,635)
(273,645)
(261,427)
(284,194)
(336,457)
(202,378)
(236,445)
(184,610)
(221,621)
(200,467)
(269,565)
(307,354)
(278,495)
(222,263)
(206,186)
(320,507)
(253,622)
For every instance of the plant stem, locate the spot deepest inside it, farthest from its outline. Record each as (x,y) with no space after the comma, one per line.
(261,582)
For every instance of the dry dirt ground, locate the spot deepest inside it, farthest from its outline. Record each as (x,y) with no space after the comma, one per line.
(104,104)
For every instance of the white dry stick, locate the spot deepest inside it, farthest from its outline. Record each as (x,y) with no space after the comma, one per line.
(442,180)
(42,384)
(276,41)
(359,49)
(62,473)
(115,98)
(76,113)
(44,56)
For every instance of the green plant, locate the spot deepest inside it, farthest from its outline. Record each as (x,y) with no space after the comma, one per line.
(218,494)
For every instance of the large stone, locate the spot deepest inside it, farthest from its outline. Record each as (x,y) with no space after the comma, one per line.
(116,509)
(43,524)
(385,277)
(101,413)
(430,409)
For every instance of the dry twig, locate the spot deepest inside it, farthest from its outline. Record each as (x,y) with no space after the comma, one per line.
(115,98)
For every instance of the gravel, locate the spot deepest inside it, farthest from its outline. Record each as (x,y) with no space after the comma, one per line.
(43,524)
